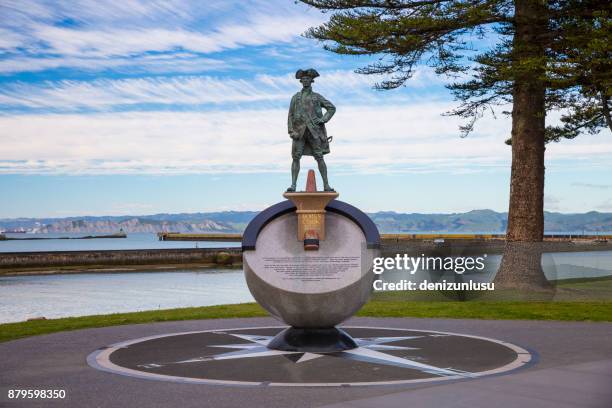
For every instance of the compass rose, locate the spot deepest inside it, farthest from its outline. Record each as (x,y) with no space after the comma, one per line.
(369,350)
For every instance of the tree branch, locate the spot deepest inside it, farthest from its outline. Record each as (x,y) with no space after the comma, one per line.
(605,108)
(384,4)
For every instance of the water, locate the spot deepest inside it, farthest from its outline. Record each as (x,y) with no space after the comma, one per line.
(143,240)
(137,240)
(53,296)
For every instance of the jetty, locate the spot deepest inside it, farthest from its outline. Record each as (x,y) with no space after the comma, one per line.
(3,237)
(217,237)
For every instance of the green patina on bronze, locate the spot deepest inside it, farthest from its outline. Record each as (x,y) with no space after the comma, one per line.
(306,125)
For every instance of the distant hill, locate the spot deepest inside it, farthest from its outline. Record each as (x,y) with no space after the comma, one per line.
(473,221)
(227,221)
(476,221)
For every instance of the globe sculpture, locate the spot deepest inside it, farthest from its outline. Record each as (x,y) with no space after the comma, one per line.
(308,262)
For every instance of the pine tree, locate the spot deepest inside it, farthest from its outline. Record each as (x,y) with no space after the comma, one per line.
(548,55)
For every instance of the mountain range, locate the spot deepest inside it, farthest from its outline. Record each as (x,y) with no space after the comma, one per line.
(476,221)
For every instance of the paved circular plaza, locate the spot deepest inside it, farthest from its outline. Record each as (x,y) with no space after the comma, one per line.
(241,357)
(399,362)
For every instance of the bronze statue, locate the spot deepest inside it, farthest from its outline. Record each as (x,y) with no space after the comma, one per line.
(306,125)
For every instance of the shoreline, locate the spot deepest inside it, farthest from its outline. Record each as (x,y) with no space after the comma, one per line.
(105,269)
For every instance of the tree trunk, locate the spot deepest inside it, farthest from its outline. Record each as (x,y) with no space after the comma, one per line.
(521,267)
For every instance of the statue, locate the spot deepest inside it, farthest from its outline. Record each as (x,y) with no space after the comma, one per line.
(306,125)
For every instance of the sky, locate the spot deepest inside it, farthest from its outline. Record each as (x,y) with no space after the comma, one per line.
(141,107)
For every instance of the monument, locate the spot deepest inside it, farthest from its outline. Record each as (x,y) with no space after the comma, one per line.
(308,260)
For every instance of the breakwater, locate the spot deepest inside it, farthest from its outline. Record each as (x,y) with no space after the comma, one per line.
(32,238)
(215,237)
(172,258)
(15,261)
(177,236)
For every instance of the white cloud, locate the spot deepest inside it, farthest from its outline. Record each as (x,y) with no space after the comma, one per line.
(10,39)
(195,90)
(257,30)
(136,12)
(374,131)
(145,64)
(101,94)
(388,138)
(94,35)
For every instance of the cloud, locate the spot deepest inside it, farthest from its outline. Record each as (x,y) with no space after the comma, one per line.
(106,94)
(144,123)
(10,39)
(90,13)
(257,30)
(593,186)
(144,64)
(22,12)
(90,35)
(366,139)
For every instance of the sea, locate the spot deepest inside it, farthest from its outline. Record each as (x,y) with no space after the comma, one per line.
(59,242)
(55,296)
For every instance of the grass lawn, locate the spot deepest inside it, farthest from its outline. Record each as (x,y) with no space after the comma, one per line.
(378,307)
(573,300)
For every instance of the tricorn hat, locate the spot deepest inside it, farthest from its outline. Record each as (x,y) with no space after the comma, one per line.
(310,72)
